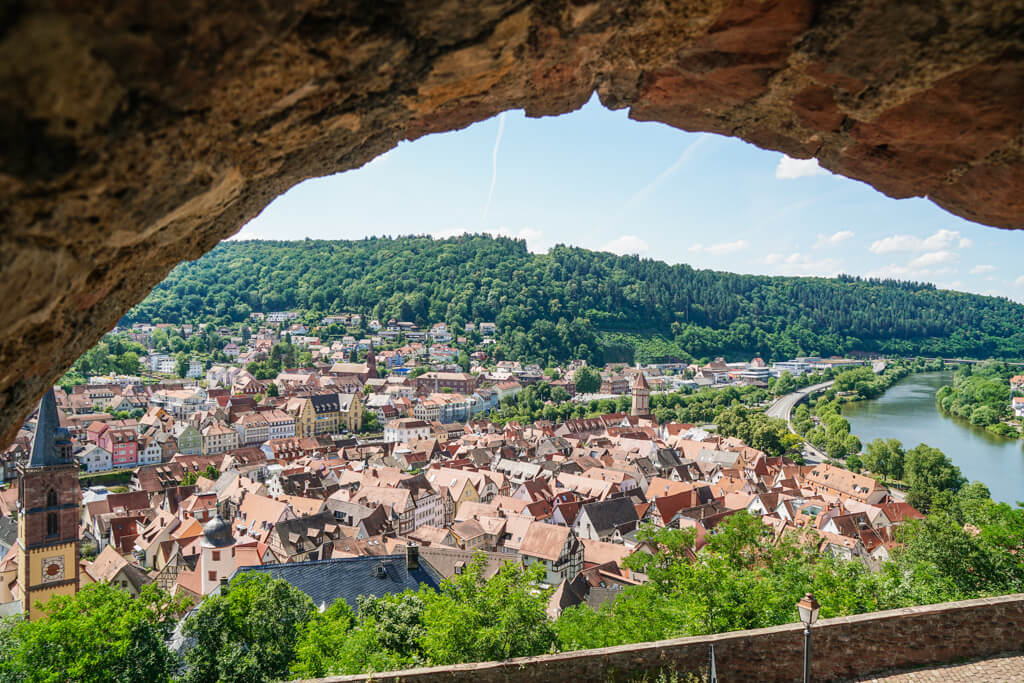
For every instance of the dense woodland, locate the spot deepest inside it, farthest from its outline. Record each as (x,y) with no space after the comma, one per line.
(981,395)
(573,302)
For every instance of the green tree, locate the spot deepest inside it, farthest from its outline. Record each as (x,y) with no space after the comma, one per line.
(941,560)
(320,641)
(473,620)
(587,380)
(128,363)
(785,384)
(927,472)
(370,423)
(755,429)
(99,634)
(248,634)
(386,636)
(181,364)
(879,456)
(272,390)
(983,416)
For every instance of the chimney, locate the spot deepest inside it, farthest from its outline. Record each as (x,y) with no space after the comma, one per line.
(412,557)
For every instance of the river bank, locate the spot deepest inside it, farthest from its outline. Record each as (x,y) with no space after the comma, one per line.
(907,411)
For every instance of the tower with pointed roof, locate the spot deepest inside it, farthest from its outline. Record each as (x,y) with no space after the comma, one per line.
(371,363)
(641,396)
(48,514)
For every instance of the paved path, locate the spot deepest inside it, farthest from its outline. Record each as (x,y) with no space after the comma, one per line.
(1001,669)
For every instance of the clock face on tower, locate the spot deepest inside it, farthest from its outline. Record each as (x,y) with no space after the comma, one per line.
(53,569)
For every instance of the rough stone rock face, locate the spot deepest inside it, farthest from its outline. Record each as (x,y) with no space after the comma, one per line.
(136,134)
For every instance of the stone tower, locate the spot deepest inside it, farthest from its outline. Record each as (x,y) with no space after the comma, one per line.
(48,514)
(371,363)
(641,396)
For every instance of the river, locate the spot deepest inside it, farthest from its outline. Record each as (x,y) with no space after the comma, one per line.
(907,412)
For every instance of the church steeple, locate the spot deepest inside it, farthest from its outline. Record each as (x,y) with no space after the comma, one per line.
(48,514)
(51,444)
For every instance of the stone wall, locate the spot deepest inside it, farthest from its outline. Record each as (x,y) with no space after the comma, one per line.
(841,648)
(136,134)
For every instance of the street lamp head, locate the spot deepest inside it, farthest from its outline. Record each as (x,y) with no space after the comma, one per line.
(808,608)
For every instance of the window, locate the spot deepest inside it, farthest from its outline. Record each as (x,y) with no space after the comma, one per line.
(52,524)
(51,498)
(216,556)
(211,575)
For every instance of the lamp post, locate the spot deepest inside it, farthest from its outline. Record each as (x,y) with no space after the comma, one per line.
(808,608)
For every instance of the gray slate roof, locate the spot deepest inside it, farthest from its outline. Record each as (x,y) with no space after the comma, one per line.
(609,515)
(8,534)
(347,578)
(44,444)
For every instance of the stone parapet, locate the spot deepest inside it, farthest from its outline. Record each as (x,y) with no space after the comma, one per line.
(843,647)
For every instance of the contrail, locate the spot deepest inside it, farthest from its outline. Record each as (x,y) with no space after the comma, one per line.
(494,164)
(664,175)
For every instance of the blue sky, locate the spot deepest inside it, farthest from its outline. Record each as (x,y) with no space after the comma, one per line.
(595,179)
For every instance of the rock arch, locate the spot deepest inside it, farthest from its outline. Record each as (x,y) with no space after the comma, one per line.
(141,136)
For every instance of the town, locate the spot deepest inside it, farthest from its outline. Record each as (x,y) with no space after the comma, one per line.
(223,471)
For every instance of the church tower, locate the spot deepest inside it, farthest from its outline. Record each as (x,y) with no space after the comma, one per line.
(48,514)
(641,396)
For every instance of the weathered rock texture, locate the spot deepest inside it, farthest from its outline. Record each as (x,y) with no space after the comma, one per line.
(136,134)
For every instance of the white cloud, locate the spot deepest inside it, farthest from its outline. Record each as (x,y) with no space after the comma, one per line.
(627,244)
(803,264)
(530,235)
(898,272)
(943,239)
(448,232)
(1019,281)
(720,248)
(833,239)
(790,168)
(933,258)
(981,269)
(966,243)
(910,272)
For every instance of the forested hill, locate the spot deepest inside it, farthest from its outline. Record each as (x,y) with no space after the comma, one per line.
(577,303)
